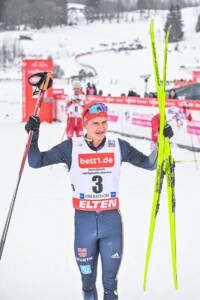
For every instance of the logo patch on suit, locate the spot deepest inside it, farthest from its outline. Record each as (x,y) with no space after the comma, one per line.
(86,269)
(111,143)
(113,194)
(82,252)
(96,160)
(115,255)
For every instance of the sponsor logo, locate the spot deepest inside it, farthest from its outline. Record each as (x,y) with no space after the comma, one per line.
(193,130)
(82,252)
(115,255)
(96,160)
(127,115)
(113,194)
(111,143)
(106,204)
(141,122)
(91,196)
(153,102)
(84,259)
(85,269)
(50,99)
(113,118)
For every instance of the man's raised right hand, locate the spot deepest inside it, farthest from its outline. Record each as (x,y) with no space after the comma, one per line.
(33,124)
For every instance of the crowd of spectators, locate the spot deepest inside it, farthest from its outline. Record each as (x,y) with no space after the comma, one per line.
(170,95)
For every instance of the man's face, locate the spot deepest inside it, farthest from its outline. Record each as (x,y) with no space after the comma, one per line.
(97,128)
(76,91)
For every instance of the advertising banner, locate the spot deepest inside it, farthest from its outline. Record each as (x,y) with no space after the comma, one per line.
(59,97)
(132,116)
(196,76)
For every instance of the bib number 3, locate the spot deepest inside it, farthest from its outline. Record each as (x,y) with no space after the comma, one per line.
(98,187)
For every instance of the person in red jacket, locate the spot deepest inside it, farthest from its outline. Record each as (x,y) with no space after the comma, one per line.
(74,107)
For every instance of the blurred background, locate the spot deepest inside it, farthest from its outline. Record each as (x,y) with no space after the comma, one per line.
(102,42)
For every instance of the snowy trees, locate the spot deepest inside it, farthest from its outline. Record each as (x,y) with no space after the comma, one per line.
(198,24)
(174,18)
(10,51)
(32,13)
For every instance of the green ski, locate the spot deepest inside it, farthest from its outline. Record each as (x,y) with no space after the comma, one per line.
(170,175)
(164,165)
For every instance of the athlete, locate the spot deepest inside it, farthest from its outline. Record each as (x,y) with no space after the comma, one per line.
(74,107)
(94,164)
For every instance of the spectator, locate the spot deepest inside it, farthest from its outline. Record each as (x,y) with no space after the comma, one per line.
(152,95)
(131,93)
(172,94)
(94,89)
(90,90)
(74,107)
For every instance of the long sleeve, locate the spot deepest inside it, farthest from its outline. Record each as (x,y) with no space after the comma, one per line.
(133,156)
(61,153)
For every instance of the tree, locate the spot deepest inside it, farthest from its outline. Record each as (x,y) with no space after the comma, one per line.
(147,4)
(174,18)
(93,3)
(49,13)
(141,4)
(34,13)
(198,24)
(2,14)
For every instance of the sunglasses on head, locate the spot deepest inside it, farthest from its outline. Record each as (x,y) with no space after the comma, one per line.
(96,108)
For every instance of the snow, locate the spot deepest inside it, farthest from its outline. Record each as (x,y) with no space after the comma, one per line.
(38,260)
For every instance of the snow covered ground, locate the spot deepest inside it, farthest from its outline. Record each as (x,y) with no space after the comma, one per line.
(38,261)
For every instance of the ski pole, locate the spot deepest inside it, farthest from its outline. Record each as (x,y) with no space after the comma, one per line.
(63,135)
(193,150)
(191,139)
(186,161)
(188,107)
(42,82)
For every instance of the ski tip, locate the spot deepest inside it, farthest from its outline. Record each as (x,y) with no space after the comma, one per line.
(169,29)
(152,23)
(176,285)
(144,285)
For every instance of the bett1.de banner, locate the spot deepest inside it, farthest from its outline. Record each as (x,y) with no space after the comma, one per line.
(132,116)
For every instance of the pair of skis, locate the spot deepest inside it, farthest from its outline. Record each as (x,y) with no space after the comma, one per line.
(165,164)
